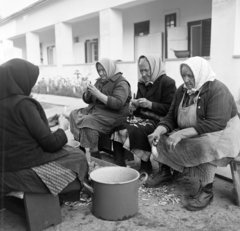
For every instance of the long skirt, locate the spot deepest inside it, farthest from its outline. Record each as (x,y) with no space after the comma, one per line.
(198,155)
(133,133)
(54,177)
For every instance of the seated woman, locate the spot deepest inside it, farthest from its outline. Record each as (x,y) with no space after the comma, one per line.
(32,158)
(154,96)
(200,132)
(108,100)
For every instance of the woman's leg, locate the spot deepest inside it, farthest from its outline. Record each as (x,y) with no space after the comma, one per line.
(146,166)
(119,153)
(204,196)
(88,138)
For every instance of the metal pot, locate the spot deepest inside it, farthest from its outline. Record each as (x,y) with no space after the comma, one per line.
(115,192)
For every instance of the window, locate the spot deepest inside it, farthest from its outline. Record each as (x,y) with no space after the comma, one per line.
(141,28)
(91,51)
(170,21)
(199,37)
(51,55)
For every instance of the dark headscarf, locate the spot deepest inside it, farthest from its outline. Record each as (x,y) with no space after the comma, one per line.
(17,77)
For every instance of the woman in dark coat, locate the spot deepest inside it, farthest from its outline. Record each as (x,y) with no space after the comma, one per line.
(108,100)
(154,97)
(33,159)
(200,132)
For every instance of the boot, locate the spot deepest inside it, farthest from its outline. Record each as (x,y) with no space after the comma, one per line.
(203,198)
(146,166)
(162,176)
(96,155)
(119,154)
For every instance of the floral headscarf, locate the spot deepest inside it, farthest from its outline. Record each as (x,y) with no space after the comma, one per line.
(157,68)
(202,72)
(110,67)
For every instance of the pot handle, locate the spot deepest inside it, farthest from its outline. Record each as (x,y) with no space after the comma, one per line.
(142,178)
(88,187)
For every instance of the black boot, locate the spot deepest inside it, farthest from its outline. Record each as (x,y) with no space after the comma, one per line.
(119,154)
(162,176)
(96,155)
(202,199)
(146,166)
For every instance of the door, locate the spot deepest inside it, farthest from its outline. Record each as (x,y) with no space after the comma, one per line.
(196,40)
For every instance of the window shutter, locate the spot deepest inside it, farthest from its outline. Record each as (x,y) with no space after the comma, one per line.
(206,37)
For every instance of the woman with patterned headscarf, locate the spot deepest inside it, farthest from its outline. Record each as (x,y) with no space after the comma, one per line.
(154,96)
(200,132)
(108,100)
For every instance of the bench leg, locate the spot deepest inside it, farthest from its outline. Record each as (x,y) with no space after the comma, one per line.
(42,210)
(235,169)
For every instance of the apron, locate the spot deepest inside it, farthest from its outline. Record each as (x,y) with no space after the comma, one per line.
(217,146)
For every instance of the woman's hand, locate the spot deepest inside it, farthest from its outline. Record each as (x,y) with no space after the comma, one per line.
(174,139)
(53,120)
(133,106)
(154,138)
(144,103)
(93,90)
(63,122)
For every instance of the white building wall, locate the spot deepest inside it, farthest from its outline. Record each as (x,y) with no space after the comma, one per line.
(227,68)
(189,10)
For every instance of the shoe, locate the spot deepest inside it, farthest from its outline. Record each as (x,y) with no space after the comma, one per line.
(162,176)
(201,200)
(96,155)
(146,166)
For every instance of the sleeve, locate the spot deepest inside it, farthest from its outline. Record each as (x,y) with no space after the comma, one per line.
(169,120)
(119,96)
(38,129)
(167,91)
(218,111)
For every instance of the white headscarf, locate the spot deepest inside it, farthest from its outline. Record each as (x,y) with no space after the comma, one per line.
(202,72)
(156,65)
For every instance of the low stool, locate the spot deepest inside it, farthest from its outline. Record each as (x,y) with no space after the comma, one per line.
(39,210)
(235,169)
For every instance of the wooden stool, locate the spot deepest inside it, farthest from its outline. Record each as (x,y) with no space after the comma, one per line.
(235,169)
(40,210)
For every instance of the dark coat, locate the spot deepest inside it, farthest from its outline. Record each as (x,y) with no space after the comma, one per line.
(26,140)
(99,116)
(215,107)
(161,94)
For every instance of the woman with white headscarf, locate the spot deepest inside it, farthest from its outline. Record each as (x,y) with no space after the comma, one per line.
(108,100)
(200,132)
(153,100)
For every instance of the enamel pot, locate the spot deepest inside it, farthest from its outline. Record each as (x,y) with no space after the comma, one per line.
(115,192)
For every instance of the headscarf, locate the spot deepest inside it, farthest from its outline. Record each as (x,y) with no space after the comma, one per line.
(17,77)
(157,68)
(110,67)
(201,70)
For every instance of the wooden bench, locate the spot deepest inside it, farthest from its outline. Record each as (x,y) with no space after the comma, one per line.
(39,210)
(235,169)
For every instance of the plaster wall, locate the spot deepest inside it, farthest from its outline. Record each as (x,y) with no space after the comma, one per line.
(227,68)
(188,10)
